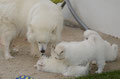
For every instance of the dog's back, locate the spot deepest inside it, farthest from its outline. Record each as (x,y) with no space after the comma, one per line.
(77,52)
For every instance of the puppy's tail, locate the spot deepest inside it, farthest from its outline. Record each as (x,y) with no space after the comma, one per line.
(114,51)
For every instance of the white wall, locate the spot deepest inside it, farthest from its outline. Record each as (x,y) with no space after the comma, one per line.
(101,15)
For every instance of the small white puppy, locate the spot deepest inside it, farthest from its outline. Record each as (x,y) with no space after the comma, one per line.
(51,64)
(93,48)
(111,50)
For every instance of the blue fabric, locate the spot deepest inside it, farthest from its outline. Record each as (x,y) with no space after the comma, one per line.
(24,77)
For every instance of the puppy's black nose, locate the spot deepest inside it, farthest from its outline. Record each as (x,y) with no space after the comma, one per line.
(42,51)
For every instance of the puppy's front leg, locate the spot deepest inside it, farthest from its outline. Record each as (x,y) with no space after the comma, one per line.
(100,65)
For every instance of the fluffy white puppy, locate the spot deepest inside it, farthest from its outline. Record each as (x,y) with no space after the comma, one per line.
(51,64)
(45,24)
(94,48)
(7,33)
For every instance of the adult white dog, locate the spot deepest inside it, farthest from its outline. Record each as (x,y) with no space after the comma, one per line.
(93,48)
(42,18)
(51,64)
(45,24)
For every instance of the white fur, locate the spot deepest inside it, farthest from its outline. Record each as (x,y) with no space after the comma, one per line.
(94,48)
(45,24)
(42,18)
(77,71)
(7,33)
(50,64)
(111,50)
(54,65)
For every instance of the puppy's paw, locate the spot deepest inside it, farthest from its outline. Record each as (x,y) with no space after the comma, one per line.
(9,57)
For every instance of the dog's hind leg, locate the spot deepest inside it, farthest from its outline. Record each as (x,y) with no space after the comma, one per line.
(100,65)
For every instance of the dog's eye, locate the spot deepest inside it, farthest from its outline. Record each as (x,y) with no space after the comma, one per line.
(61,52)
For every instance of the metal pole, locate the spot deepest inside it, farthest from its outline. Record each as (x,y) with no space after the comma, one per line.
(74,14)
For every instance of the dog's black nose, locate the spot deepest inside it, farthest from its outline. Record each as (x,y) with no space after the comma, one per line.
(42,51)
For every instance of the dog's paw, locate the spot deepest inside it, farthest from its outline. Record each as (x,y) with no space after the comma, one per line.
(9,57)
(98,72)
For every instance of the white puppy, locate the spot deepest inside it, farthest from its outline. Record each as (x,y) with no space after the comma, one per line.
(94,48)
(50,64)
(111,50)
(59,66)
